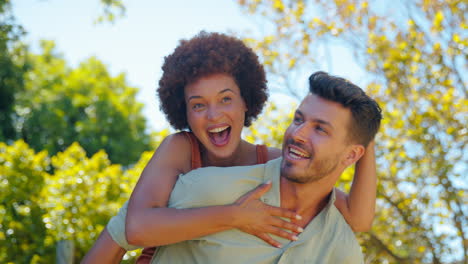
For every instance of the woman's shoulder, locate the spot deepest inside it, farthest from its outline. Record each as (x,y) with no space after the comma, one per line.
(179,139)
(270,153)
(177,147)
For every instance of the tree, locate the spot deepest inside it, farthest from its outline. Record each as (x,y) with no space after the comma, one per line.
(22,232)
(111,9)
(61,105)
(73,196)
(414,54)
(38,209)
(12,66)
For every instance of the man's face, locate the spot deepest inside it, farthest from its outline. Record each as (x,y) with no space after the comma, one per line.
(315,143)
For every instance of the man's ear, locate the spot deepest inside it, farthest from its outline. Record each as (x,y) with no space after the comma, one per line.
(353,154)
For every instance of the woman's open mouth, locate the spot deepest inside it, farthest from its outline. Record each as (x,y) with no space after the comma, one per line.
(220,136)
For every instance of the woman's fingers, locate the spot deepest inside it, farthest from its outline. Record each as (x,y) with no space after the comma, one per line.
(267,238)
(277,232)
(281,212)
(281,233)
(263,220)
(282,224)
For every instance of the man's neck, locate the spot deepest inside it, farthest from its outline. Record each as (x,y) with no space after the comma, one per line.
(306,199)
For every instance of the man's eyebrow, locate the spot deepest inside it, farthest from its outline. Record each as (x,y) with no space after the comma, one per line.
(223,91)
(323,122)
(298,112)
(318,120)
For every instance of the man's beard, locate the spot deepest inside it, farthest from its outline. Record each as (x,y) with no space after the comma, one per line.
(314,172)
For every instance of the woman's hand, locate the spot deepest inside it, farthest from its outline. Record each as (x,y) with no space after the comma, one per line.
(259,219)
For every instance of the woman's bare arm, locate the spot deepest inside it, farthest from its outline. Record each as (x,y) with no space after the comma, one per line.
(358,208)
(104,250)
(150,223)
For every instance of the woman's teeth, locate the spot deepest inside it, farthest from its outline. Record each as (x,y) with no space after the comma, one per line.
(218,129)
(220,135)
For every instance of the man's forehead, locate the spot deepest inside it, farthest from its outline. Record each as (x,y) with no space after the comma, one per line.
(316,107)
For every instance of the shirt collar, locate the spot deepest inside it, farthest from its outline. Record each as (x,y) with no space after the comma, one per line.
(272,173)
(273,197)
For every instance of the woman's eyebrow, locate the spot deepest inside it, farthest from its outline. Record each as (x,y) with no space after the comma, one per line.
(222,91)
(193,97)
(226,90)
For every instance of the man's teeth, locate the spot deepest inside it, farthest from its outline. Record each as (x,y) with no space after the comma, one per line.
(297,153)
(218,129)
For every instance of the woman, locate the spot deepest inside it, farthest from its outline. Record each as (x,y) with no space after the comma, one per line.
(214,85)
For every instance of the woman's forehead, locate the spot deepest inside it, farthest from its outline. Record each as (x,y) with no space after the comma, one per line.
(211,85)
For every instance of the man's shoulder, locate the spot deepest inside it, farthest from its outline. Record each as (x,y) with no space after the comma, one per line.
(346,243)
(216,185)
(257,170)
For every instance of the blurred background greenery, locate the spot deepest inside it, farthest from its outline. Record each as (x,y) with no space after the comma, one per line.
(74,139)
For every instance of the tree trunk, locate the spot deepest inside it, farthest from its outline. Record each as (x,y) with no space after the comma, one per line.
(65,250)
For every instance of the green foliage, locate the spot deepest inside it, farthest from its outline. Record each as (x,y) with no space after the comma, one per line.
(128,181)
(414,53)
(22,232)
(61,105)
(270,127)
(112,9)
(75,202)
(73,196)
(11,69)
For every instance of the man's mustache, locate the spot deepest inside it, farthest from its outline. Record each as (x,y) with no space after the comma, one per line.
(291,141)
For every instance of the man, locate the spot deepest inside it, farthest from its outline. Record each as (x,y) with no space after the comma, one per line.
(330,131)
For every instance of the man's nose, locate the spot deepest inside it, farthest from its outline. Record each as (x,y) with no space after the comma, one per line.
(299,134)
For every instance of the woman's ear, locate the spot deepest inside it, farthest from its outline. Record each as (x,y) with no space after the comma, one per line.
(354,153)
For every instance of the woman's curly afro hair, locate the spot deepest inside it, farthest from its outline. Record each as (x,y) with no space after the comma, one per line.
(204,55)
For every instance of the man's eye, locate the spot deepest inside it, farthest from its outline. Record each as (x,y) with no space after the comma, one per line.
(321,129)
(297,120)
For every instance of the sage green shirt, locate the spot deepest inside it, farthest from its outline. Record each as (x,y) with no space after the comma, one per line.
(326,239)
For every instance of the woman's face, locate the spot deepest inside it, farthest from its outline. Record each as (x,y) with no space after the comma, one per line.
(216,113)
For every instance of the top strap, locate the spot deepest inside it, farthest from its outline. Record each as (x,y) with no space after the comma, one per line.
(195,148)
(262,154)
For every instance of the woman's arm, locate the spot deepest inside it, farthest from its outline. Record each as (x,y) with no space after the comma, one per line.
(358,208)
(150,223)
(104,250)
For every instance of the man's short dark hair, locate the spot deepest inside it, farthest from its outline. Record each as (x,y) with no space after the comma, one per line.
(366,113)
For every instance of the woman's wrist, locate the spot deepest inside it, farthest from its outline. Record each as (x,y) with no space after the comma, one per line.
(231,215)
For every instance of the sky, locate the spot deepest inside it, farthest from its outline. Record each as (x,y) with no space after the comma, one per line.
(135,44)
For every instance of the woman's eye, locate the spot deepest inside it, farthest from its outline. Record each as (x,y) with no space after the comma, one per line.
(226,99)
(197,106)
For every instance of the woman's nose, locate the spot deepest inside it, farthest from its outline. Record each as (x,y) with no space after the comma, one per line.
(213,113)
